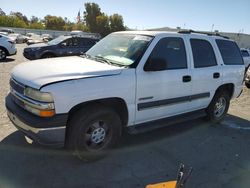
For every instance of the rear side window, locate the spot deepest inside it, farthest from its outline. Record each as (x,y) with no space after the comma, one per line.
(203,53)
(230,52)
(244,53)
(87,42)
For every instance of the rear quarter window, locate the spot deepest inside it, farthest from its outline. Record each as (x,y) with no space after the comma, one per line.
(230,52)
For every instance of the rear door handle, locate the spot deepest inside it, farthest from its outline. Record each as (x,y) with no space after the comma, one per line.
(186,78)
(216,75)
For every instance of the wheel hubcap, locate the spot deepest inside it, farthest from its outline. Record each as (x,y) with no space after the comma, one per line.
(220,107)
(98,135)
(2,54)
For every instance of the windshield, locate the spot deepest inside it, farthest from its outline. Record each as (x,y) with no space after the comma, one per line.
(57,40)
(121,49)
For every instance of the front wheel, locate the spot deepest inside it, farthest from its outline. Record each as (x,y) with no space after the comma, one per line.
(3,54)
(247,84)
(92,132)
(218,107)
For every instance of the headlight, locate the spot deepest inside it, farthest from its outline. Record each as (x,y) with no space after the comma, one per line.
(38,95)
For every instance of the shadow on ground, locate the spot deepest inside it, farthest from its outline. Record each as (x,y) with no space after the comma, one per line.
(219,155)
(7,60)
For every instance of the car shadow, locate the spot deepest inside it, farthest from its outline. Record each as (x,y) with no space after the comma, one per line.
(138,160)
(7,60)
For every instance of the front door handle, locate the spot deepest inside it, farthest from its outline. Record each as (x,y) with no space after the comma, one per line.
(186,78)
(216,75)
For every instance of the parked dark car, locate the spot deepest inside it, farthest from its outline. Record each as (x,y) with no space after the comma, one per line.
(61,46)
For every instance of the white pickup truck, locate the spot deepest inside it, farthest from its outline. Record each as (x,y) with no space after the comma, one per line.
(138,80)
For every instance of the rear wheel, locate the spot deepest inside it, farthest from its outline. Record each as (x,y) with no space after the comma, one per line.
(92,132)
(218,107)
(3,54)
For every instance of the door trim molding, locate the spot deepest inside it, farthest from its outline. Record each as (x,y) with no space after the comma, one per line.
(165,102)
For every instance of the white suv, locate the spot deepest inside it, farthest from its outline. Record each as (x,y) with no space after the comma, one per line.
(138,80)
(7,47)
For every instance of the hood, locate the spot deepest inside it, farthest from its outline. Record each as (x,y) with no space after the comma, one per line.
(38,45)
(41,72)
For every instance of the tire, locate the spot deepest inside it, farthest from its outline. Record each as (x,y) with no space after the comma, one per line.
(3,54)
(247,85)
(48,55)
(218,107)
(92,132)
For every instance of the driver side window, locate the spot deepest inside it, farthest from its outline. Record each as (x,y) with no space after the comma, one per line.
(169,53)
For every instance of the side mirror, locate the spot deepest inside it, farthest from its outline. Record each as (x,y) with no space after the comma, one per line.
(155,64)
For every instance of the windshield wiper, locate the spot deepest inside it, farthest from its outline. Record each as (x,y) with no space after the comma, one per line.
(86,56)
(100,58)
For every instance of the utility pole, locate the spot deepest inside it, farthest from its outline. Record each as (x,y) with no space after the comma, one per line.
(212,28)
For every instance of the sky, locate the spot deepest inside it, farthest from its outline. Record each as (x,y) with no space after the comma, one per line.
(205,15)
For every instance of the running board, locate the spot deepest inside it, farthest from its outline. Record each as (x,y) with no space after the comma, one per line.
(148,126)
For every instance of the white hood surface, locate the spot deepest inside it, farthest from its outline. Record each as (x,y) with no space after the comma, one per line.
(41,72)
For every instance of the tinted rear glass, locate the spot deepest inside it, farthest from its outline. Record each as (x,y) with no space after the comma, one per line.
(203,53)
(230,52)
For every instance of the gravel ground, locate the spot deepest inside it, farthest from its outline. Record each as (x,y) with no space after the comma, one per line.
(5,68)
(219,154)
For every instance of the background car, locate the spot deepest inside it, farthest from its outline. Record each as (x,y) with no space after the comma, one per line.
(3,33)
(46,37)
(7,47)
(61,46)
(18,38)
(246,57)
(34,39)
(7,30)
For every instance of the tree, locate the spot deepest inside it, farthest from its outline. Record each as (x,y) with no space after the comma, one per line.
(37,25)
(92,11)
(20,16)
(12,21)
(2,13)
(54,22)
(116,23)
(81,27)
(34,19)
(102,25)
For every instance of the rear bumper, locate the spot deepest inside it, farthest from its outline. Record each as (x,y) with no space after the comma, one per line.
(45,131)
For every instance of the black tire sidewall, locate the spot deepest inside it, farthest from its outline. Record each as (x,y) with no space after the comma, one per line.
(247,85)
(211,107)
(81,121)
(5,54)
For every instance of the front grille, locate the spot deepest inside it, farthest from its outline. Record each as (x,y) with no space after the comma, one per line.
(17,101)
(19,88)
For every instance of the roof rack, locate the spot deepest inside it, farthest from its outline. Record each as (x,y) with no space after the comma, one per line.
(201,32)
